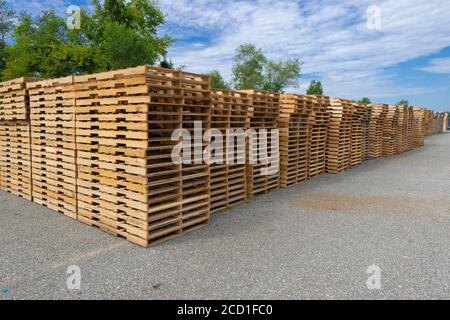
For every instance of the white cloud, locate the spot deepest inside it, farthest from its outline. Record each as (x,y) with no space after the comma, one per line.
(438,66)
(331,37)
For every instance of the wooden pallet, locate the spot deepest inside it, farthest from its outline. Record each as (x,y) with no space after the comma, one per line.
(14,104)
(389,131)
(318,133)
(418,127)
(228,185)
(339,136)
(15,158)
(376,132)
(52,119)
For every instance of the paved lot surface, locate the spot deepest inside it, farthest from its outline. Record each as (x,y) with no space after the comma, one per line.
(312,241)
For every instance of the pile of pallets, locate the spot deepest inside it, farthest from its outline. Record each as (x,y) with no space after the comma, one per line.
(339,136)
(196,175)
(229,116)
(52,114)
(389,132)
(418,128)
(358,139)
(15,158)
(262,155)
(128,184)
(402,129)
(318,132)
(15,141)
(294,126)
(366,131)
(376,132)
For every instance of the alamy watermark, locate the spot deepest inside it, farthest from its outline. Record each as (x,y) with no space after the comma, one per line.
(73,282)
(374,281)
(228,148)
(374,18)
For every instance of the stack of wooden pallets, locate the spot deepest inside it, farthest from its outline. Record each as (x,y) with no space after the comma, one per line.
(366,131)
(358,142)
(229,116)
(318,132)
(15,139)
(418,128)
(196,175)
(376,132)
(52,108)
(294,126)
(262,175)
(410,128)
(128,184)
(389,132)
(339,136)
(402,129)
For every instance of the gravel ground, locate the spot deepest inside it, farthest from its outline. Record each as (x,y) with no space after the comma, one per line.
(312,241)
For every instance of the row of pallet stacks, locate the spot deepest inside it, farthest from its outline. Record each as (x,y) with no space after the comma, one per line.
(15,138)
(294,129)
(262,149)
(429,122)
(228,185)
(52,119)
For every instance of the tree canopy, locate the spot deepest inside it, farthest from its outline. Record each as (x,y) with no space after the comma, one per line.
(217,81)
(116,34)
(365,100)
(315,88)
(252,70)
(403,103)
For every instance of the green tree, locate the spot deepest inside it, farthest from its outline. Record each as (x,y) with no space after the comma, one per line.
(133,24)
(217,81)
(168,64)
(45,47)
(315,88)
(252,70)
(280,75)
(403,103)
(365,100)
(6,24)
(248,67)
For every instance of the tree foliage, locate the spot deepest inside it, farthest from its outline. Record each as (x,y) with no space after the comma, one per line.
(252,70)
(217,81)
(315,88)
(365,100)
(403,103)
(117,34)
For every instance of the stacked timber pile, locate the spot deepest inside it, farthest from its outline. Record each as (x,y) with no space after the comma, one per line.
(128,184)
(389,132)
(418,128)
(445,122)
(376,132)
(428,122)
(196,186)
(15,139)
(15,158)
(294,139)
(229,115)
(52,108)
(410,128)
(402,129)
(339,136)
(366,131)
(318,132)
(263,176)
(358,142)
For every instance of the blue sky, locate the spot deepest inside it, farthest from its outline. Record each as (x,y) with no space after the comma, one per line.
(406,55)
